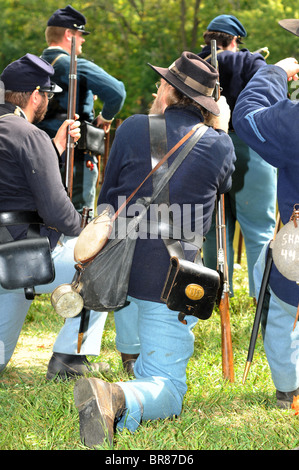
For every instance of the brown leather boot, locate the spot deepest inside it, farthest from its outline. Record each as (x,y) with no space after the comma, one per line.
(129,362)
(100,404)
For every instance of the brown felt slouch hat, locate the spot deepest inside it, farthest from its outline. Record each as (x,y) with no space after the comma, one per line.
(291,25)
(194,77)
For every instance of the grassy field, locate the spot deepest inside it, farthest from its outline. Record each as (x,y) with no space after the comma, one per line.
(37,415)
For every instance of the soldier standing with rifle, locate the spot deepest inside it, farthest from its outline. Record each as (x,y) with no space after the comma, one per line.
(252,198)
(268,121)
(92,81)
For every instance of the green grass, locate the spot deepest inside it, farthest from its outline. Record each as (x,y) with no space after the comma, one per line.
(217,415)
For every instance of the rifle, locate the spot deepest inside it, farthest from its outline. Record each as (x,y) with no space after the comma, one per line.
(85,314)
(71,110)
(226,340)
(260,303)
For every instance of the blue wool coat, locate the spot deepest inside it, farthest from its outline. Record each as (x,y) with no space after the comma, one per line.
(30,179)
(235,70)
(91,80)
(268,122)
(206,171)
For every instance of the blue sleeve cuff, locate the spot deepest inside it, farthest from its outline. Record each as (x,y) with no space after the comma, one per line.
(250,119)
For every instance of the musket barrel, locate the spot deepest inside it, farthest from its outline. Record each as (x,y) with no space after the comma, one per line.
(260,302)
(71,111)
(214,63)
(226,340)
(258,314)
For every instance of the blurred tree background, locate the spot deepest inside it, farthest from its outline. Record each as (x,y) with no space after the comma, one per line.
(128,34)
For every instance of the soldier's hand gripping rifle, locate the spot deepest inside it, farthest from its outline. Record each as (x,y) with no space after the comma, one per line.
(71,111)
(226,340)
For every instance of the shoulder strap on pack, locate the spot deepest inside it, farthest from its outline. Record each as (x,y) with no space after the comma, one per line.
(158,141)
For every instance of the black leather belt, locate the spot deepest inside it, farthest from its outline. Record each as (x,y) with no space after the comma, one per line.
(19,218)
(30,218)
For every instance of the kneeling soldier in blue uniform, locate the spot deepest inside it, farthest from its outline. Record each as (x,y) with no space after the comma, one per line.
(184,97)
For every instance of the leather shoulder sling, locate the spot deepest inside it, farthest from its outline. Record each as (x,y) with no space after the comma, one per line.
(190,288)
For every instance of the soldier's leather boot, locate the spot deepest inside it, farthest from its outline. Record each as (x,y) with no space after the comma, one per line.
(100,405)
(69,366)
(285,399)
(129,362)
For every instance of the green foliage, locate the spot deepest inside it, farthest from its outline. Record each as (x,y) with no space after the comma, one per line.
(127,34)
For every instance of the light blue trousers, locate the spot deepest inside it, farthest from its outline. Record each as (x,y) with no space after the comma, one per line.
(165,346)
(14,308)
(252,202)
(281,343)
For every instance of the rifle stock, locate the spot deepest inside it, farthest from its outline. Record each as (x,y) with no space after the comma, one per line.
(226,340)
(226,343)
(71,110)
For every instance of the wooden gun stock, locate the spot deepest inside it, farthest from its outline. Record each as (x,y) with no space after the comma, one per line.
(226,340)
(71,111)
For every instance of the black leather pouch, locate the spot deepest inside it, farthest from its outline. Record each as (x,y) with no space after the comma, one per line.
(26,263)
(92,139)
(190,288)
